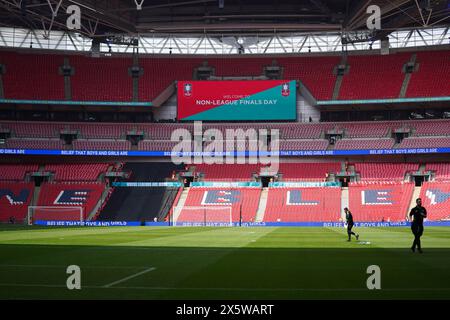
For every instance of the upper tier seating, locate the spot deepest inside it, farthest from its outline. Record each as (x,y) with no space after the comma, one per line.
(316,73)
(32,76)
(108,79)
(104,79)
(373,77)
(431,80)
(226,67)
(159,73)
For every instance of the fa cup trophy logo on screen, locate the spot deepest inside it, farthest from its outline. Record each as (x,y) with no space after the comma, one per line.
(187,89)
(285,89)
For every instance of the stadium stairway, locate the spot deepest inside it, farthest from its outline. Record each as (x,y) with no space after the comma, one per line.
(262,205)
(416,194)
(99,204)
(93,214)
(34,200)
(407,78)
(344,201)
(339,78)
(180,204)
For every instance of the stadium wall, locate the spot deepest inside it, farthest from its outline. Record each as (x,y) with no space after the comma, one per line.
(168,110)
(305,110)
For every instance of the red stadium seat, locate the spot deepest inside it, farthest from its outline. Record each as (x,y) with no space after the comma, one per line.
(77,172)
(74,194)
(16,172)
(103,79)
(384,171)
(373,76)
(28,76)
(388,201)
(431,80)
(15,197)
(436,199)
(303,204)
(351,144)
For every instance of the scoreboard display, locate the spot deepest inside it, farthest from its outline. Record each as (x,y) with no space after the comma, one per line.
(237,100)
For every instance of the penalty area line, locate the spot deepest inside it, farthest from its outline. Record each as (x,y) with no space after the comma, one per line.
(129,277)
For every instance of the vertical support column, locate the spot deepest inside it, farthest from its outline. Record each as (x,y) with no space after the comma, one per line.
(135,72)
(67,71)
(2,72)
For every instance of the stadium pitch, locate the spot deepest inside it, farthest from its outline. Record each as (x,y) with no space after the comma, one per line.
(221,263)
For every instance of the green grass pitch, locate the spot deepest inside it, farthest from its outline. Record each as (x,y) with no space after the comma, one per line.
(221,263)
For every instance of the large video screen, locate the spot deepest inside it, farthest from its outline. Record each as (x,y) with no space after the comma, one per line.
(237,100)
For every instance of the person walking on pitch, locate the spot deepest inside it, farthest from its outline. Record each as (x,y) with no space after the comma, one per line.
(418,213)
(350,223)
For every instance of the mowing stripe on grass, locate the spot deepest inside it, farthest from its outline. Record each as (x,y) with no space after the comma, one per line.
(129,277)
(60,266)
(225,289)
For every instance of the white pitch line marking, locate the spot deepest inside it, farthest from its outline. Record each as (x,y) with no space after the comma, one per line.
(129,277)
(61,266)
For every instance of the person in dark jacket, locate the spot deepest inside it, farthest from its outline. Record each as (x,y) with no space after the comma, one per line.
(417,214)
(350,223)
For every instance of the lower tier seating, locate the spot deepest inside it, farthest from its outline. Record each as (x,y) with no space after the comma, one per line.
(303,204)
(68,195)
(243,202)
(436,199)
(380,201)
(15,197)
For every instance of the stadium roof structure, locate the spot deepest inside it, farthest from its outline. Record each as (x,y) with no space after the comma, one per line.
(103,17)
